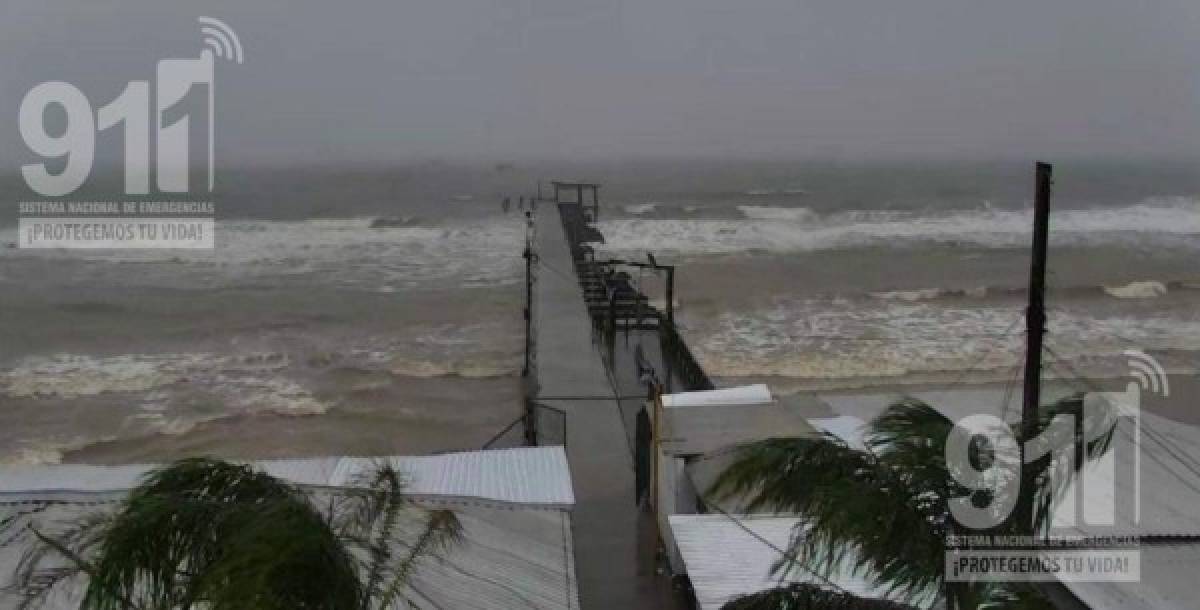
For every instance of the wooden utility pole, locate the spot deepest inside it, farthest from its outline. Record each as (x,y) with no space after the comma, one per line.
(528,256)
(1035,327)
(1035,315)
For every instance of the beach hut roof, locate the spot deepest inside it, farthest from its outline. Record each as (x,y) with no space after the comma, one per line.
(731,555)
(529,477)
(514,506)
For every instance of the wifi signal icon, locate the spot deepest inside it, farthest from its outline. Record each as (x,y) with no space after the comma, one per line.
(221,39)
(1148,372)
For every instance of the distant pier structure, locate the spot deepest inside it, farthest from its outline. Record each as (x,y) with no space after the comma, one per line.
(598,350)
(581,190)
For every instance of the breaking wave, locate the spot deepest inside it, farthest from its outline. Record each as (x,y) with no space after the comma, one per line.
(640,209)
(823,340)
(351,252)
(780,229)
(757,212)
(1137,290)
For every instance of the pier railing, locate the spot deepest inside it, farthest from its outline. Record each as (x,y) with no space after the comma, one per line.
(678,359)
(540,425)
(616,305)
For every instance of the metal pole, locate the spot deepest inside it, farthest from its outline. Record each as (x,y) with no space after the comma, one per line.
(1035,326)
(670,294)
(528,254)
(1035,315)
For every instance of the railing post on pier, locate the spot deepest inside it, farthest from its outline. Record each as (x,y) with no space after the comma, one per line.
(670,294)
(531,431)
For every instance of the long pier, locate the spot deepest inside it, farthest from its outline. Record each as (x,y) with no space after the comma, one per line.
(615,541)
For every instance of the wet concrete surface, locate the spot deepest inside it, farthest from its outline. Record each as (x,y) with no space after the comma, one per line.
(615,541)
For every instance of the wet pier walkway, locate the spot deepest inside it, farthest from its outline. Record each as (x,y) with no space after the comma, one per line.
(614,540)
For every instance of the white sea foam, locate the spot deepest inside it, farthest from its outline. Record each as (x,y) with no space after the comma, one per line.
(1137,290)
(910,295)
(929,294)
(641,208)
(761,212)
(246,382)
(813,339)
(72,375)
(470,350)
(36,455)
(343,251)
(788,230)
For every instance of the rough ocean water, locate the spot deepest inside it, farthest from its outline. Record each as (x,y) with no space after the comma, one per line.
(308,332)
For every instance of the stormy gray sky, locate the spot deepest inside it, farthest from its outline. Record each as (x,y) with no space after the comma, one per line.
(332,81)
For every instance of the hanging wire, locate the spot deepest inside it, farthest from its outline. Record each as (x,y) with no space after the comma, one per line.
(1008,391)
(1167,445)
(1008,332)
(784,553)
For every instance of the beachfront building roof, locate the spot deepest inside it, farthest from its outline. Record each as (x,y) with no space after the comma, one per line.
(1157,507)
(1167,581)
(514,506)
(730,556)
(698,423)
(696,429)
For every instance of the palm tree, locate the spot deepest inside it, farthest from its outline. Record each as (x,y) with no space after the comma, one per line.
(882,510)
(203,533)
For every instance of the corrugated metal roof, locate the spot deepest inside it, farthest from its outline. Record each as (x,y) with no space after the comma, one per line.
(530,476)
(702,429)
(742,395)
(1168,581)
(1168,460)
(508,558)
(726,558)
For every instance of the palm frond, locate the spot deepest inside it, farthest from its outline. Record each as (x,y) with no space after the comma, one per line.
(441,530)
(855,503)
(885,504)
(205,533)
(809,597)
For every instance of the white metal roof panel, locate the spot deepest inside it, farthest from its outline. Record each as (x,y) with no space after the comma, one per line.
(731,556)
(508,558)
(1168,582)
(533,476)
(756,394)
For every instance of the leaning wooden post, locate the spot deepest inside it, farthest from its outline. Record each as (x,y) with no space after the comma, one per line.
(1035,327)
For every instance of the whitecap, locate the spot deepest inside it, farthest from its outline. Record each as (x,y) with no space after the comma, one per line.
(757,212)
(1137,290)
(641,208)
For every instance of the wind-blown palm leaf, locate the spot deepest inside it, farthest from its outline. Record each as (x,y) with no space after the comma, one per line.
(885,504)
(801,596)
(861,503)
(203,533)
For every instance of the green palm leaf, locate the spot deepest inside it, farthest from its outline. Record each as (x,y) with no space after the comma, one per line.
(808,597)
(203,533)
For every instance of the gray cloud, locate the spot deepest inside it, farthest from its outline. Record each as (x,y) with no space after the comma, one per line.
(381,81)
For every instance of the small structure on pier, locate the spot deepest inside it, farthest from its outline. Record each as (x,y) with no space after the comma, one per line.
(581,189)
